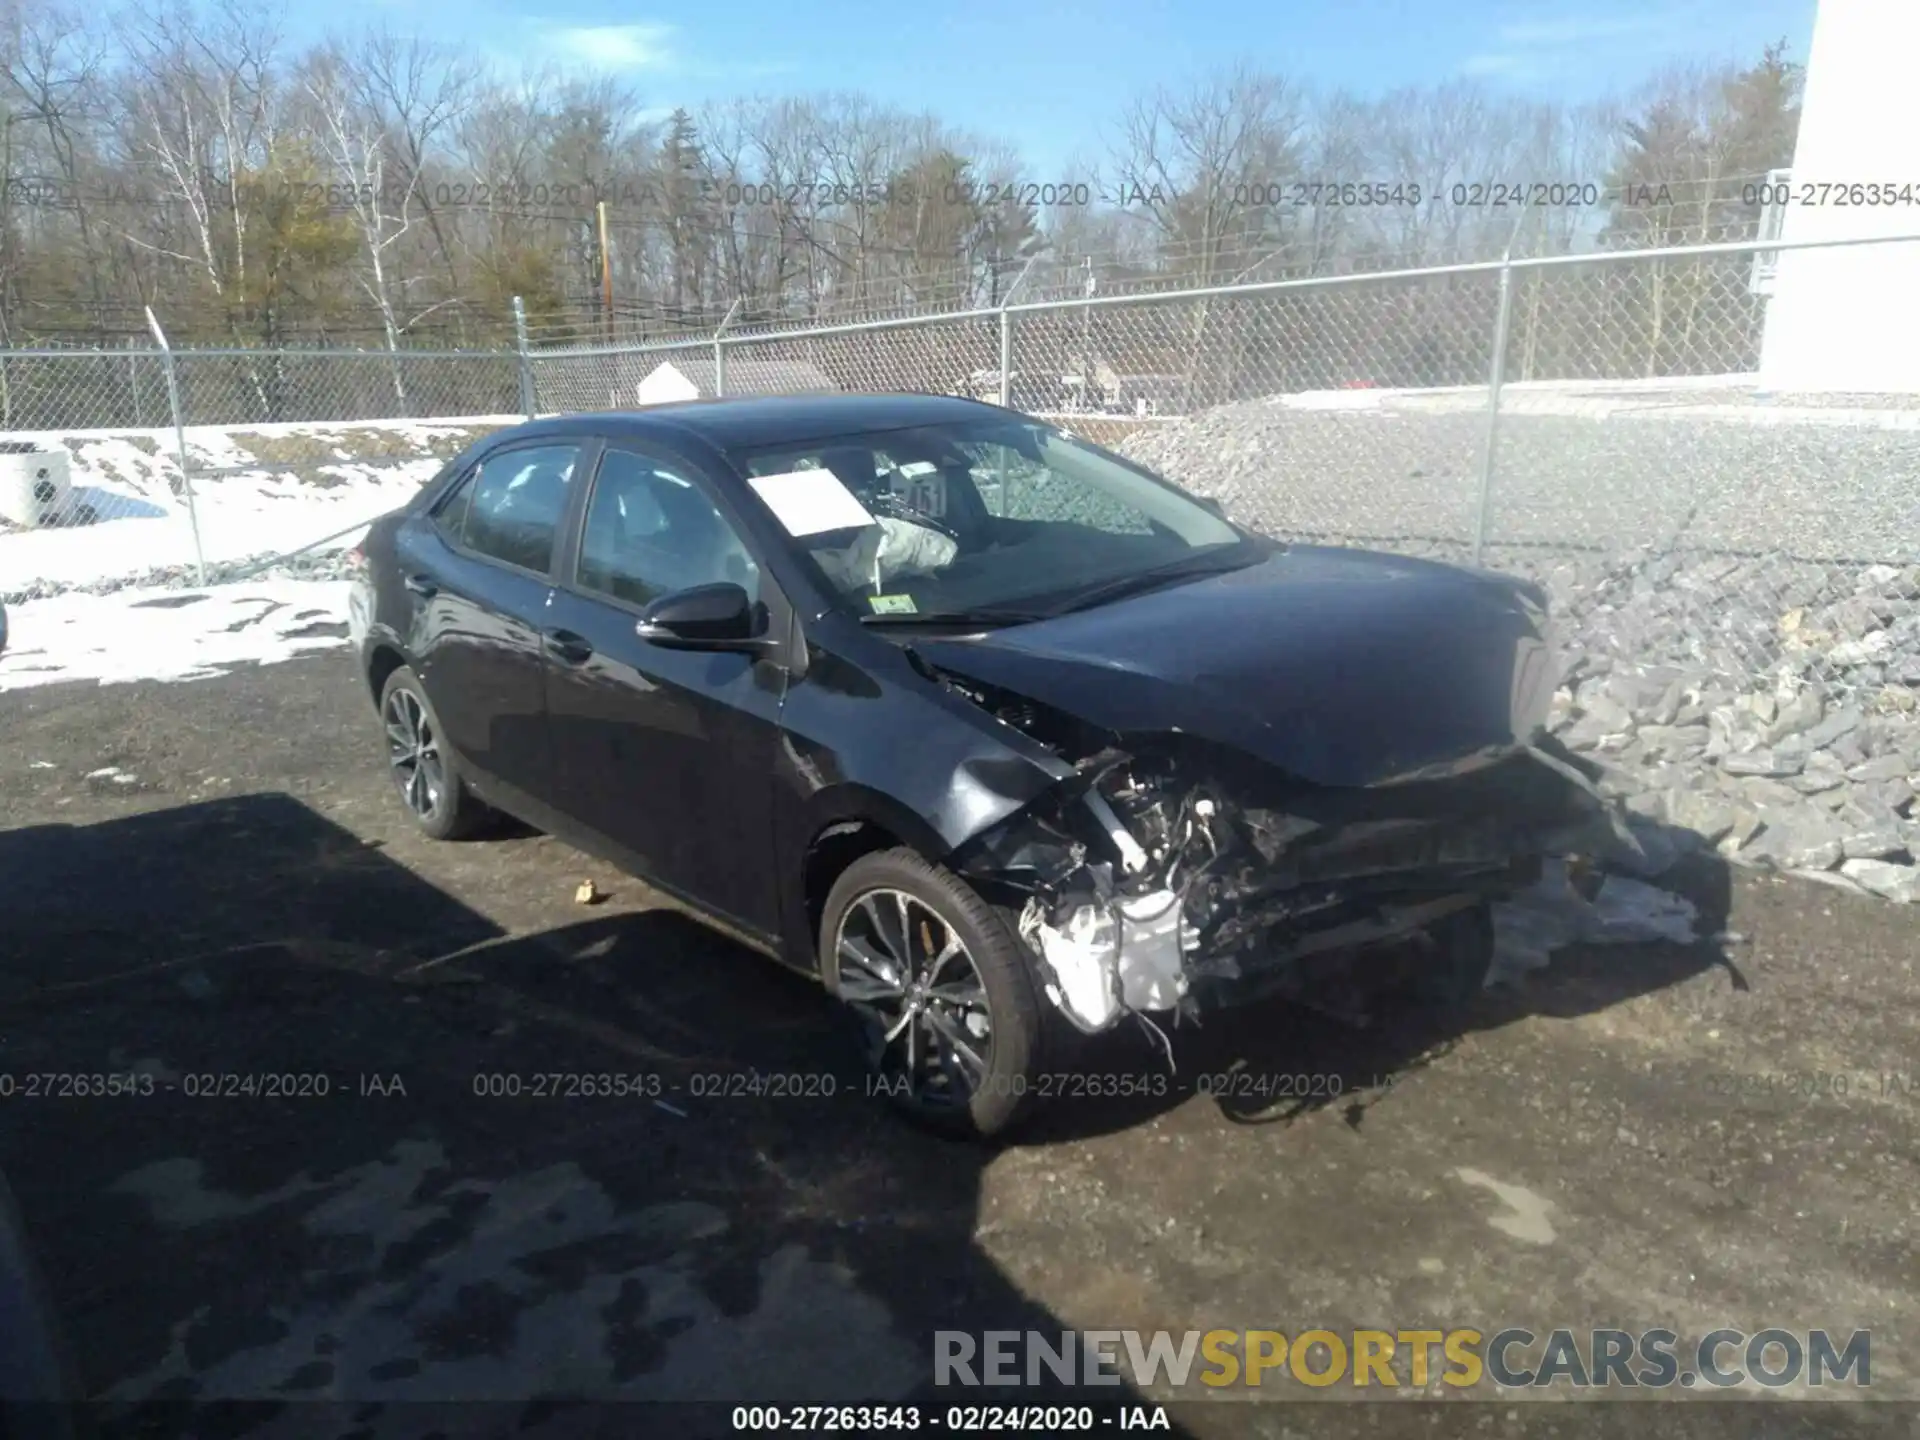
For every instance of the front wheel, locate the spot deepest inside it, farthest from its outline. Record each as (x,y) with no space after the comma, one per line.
(940,990)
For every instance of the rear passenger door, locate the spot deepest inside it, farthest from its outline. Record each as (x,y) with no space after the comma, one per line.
(666,754)
(479,572)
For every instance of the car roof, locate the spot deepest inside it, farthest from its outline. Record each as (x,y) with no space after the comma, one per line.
(754,421)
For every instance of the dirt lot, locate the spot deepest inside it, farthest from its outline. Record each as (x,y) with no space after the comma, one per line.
(1630,1142)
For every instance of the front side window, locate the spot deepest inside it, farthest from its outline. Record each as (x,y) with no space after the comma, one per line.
(512,505)
(989,515)
(651,531)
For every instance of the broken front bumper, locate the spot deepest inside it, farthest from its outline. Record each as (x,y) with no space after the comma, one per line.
(1148,891)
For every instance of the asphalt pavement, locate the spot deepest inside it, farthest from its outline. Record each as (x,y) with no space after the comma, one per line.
(398,1122)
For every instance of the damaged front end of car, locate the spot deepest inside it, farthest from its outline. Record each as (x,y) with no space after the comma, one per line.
(1173,875)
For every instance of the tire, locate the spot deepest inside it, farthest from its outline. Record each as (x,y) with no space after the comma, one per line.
(1003,1091)
(451,811)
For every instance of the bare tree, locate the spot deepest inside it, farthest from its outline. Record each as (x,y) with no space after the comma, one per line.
(1203,160)
(200,121)
(1200,160)
(390,185)
(52,68)
(355,144)
(418,93)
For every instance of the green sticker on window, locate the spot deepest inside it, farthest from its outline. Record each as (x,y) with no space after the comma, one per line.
(892,604)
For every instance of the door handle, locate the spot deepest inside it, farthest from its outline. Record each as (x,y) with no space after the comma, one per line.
(567,646)
(422,586)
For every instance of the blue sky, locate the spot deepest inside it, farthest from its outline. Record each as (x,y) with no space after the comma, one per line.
(1050,75)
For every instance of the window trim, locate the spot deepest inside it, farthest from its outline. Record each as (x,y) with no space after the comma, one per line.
(586,450)
(567,566)
(443,505)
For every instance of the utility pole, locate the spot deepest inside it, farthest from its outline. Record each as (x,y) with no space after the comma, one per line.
(606,270)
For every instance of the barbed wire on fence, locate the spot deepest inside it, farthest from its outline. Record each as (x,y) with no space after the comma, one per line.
(1350,408)
(1597,317)
(1279,229)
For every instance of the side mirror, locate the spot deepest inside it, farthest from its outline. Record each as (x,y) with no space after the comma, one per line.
(1212,503)
(703,617)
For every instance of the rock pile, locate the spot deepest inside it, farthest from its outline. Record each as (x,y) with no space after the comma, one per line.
(1759,706)
(1764,709)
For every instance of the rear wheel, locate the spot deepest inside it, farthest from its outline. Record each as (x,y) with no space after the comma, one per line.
(939,990)
(424,771)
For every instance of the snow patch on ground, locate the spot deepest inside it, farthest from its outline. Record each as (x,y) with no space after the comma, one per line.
(1330,400)
(166,634)
(241,516)
(249,502)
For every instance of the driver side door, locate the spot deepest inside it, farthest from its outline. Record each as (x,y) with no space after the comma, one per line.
(665,756)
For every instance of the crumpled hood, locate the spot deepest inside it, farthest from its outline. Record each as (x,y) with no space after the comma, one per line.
(1341,667)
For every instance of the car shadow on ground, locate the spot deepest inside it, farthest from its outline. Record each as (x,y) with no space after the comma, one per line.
(1274,1062)
(314,1144)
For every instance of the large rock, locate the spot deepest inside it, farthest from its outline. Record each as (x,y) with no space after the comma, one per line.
(1762,763)
(1766,704)
(1802,712)
(1746,824)
(1818,781)
(1899,883)
(1708,816)
(1896,794)
(1830,729)
(1672,741)
(1875,647)
(1798,847)
(1605,712)
(1892,766)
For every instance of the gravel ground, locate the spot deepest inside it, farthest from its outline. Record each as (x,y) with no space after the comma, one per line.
(211,879)
(1563,482)
(1739,604)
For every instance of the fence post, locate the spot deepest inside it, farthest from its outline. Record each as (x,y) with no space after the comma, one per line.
(720,350)
(179,438)
(1496,376)
(1006,358)
(525,357)
(1006,334)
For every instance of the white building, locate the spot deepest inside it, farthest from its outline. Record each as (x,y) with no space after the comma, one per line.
(1848,318)
(694,379)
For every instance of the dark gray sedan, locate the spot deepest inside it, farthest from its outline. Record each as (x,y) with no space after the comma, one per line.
(986,727)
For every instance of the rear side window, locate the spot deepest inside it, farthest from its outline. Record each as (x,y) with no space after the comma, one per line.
(509,509)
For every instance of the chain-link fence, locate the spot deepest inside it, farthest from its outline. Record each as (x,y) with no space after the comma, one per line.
(153,466)
(1592,420)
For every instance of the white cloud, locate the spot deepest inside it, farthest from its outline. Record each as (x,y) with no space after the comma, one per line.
(1579,30)
(615,47)
(1551,42)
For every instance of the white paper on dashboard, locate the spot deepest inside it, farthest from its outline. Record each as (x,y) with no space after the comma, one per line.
(809,502)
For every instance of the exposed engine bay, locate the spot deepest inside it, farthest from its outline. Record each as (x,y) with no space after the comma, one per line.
(1172,875)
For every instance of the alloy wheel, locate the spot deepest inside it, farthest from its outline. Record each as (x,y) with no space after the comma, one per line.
(413,748)
(911,979)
